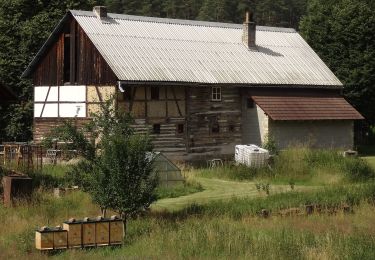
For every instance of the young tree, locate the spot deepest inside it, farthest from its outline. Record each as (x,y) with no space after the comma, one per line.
(117,170)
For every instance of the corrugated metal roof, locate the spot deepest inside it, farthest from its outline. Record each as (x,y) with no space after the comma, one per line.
(167,50)
(147,49)
(307,108)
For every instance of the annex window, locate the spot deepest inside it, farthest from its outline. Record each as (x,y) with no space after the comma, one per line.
(250,103)
(216,94)
(180,128)
(156,129)
(155,93)
(231,128)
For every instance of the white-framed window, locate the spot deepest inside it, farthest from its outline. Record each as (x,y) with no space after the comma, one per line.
(60,101)
(216,94)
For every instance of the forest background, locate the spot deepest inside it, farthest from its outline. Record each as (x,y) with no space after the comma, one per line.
(340,31)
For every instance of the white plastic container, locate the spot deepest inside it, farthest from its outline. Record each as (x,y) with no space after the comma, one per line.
(251,155)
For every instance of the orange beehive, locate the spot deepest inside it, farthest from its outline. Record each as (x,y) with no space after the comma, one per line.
(102,231)
(116,231)
(88,232)
(74,229)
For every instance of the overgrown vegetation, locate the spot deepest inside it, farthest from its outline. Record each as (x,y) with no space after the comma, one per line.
(300,165)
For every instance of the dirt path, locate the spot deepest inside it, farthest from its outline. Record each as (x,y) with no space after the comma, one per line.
(216,189)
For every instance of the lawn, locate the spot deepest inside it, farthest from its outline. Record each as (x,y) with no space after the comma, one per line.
(216,214)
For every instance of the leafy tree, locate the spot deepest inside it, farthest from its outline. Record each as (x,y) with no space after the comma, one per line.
(342,33)
(117,170)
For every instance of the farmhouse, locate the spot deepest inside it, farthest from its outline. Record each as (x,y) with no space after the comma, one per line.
(197,87)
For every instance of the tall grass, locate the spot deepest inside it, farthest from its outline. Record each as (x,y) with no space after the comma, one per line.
(300,165)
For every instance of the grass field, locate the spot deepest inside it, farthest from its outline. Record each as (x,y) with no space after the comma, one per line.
(217,216)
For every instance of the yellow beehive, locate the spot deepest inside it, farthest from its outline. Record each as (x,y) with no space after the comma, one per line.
(102,232)
(88,232)
(116,231)
(44,239)
(60,238)
(74,229)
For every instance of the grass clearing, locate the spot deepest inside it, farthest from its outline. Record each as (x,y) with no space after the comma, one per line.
(222,221)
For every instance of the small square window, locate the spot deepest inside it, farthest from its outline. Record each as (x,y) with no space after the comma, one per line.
(154,93)
(180,129)
(231,128)
(250,103)
(216,94)
(156,129)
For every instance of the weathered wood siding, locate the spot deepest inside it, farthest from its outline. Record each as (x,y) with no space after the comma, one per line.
(202,113)
(87,66)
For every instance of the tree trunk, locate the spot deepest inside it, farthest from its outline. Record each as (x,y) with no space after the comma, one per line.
(104,212)
(124,222)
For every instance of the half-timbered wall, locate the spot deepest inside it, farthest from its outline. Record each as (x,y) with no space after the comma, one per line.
(159,111)
(214,127)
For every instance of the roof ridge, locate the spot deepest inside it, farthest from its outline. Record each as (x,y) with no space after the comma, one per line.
(181,21)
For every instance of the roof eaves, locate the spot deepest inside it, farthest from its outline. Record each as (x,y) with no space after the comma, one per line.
(35,61)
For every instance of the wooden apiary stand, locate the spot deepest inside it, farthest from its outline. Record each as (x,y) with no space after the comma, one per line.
(74,229)
(51,238)
(116,231)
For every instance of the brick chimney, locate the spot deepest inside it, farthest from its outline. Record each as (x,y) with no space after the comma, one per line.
(249,31)
(100,11)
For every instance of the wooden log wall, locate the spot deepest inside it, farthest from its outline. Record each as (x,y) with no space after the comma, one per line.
(43,126)
(204,115)
(87,66)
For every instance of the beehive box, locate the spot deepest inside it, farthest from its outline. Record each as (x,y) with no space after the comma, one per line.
(60,239)
(116,231)
(74,229)
(102,232)
(44,239)
(51,238)
(88,232)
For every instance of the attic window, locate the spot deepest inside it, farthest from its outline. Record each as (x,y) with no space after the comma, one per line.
(216,94)
(154,93)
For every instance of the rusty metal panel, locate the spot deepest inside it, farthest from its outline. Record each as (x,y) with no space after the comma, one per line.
(306,107)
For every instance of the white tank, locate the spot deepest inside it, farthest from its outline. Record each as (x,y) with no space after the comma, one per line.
(251,155)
